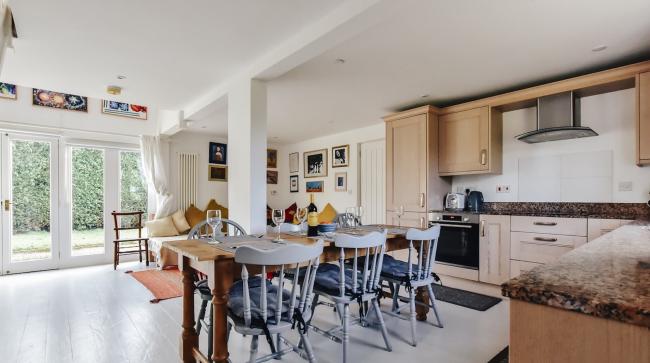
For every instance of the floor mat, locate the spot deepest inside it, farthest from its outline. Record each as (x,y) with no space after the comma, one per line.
(464,298)
(163,284)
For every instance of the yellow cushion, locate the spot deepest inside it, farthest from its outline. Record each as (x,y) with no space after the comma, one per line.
(327,215)
(180,222)
(212,205)
(163,227)
(194,215)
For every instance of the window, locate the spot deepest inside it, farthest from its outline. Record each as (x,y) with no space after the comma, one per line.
(87,201)
(133,190)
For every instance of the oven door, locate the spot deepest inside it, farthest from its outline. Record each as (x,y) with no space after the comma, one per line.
(458,245)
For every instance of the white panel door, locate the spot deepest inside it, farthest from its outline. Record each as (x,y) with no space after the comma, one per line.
(372,187)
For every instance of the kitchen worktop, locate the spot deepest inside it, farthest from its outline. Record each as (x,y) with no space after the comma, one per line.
(569,210)
(607,278)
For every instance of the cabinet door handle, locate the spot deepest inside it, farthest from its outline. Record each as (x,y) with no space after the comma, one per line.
(545,239)
(545,223)
(422,200)
(483,228)
(483,157)
(421,222)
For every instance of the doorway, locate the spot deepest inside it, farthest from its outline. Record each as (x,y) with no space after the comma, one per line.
(372,181)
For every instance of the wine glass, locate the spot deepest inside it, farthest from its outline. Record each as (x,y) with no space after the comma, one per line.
(213,218)
(302,216)
(400,213)
(359,214)
(350,213)
(278,219)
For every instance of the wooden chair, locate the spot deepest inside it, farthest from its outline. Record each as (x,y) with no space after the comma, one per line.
(117,251)
(343,284)
(414,273)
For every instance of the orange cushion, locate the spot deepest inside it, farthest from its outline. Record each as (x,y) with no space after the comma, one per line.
(194,215)
(327,215)
(213,205)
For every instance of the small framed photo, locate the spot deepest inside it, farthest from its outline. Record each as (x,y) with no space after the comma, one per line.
(314,186)
(8,91)
(340,156)
(341,182)
(217,173)
(315,164)
(293,183)
(271,158)
(124,109)
(271,177)
(218,153)
(294,160)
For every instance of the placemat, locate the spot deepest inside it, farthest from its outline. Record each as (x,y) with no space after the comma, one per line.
(230,244)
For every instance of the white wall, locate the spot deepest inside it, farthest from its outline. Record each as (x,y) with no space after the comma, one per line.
(611,115)
(278,196)
(194,142)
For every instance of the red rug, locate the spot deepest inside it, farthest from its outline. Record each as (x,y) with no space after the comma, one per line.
(163,284)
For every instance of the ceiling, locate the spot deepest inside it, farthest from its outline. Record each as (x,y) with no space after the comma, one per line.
(449,51)
(171,52)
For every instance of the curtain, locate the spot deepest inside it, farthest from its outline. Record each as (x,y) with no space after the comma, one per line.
(153,165)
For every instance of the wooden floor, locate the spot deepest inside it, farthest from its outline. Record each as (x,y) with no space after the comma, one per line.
(94,314)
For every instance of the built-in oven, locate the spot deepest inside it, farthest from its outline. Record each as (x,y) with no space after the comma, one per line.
(458,244)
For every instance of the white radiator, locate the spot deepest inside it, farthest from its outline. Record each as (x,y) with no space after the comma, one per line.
(188,177)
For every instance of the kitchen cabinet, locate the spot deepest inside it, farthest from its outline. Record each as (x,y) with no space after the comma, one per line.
(470,142)
(408,219)
(643,119)
(494,249)
(412,180)
(597,227)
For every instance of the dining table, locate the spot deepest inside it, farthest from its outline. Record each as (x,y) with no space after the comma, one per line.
(218,264)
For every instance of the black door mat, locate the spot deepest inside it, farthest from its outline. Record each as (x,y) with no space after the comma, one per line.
(502,357)
(464,298)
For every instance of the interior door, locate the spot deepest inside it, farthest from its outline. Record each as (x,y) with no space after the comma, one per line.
(30,186)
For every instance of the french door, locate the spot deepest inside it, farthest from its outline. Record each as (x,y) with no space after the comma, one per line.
(29,176)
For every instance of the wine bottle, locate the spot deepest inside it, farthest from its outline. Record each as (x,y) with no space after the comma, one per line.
(312,217)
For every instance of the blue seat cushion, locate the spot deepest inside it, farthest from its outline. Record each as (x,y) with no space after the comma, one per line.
(236,301)
(328,279)
(396,269)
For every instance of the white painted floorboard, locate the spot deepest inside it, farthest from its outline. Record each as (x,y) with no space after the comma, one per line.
(94,314)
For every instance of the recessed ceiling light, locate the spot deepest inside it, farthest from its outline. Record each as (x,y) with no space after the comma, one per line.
(599,48)
(113,90)
(340,60)
(204,127)
(119,76)
(424,96)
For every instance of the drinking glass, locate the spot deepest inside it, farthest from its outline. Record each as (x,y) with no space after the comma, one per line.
(350,214)
(278,219)
(213,218)
(302,216)
(359,214)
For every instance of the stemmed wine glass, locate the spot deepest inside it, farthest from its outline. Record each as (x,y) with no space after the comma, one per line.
(400,213)
(213,218)
(278,219)
(350,215)
(359,215)
(302,216)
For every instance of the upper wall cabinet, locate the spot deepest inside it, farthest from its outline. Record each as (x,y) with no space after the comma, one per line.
(470,142)
(643,122)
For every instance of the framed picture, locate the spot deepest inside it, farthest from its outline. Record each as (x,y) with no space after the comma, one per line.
(341,182)
(271,177)
(315,164)
(314,186)
(340,156)
(218,153)
(8,91)
(217,173)
(293,183)
(63,101)
(294,160)
(271,158)
(124,109)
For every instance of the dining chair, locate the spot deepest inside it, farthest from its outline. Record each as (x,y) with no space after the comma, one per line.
(118,242)
(203,231)
(413,274)
(258,306)
(357,281)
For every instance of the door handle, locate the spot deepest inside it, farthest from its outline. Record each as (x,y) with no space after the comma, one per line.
(483,228)
(483,157)
(7,204)
(545,224)
(422,200)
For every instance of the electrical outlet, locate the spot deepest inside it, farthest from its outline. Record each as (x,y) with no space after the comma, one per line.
(625,186)
(499,188)
(506,188)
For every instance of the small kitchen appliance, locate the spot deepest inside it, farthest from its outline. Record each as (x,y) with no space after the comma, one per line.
(475,201)
(455,202)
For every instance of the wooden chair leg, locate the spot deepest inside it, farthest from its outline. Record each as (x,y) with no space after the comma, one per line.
(115,255)
(140,250)
(146,249)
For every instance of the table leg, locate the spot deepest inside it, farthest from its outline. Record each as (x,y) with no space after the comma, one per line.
(422,296)
(220,282)
(189,338)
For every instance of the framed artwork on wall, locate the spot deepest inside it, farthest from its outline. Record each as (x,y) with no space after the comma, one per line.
(124,109)
(340,156)
(217,173)
(63,101)
(294,161)
(271,177)
(341,182)
(315,163)
(271,158)
(314,186)
(218,153)
(293,183)
(8,91)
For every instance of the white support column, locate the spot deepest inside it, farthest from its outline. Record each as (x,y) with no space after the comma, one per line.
(247,154)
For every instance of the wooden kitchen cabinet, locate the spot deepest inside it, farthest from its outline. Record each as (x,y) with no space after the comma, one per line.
(494,249)
(408,219)
(470,142)
(643,119)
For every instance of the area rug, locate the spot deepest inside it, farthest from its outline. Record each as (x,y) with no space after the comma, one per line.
(464,298)
(502,357)
(163,284)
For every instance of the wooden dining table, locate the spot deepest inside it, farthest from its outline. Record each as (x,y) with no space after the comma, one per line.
(221,270)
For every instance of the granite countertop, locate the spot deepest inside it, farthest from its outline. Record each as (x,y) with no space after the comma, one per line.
(569,210)
(607,278)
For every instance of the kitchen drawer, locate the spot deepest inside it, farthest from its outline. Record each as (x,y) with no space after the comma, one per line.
(541,248)
(517,267)
(549,225)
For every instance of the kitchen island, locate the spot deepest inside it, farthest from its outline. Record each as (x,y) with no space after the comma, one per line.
(591,305)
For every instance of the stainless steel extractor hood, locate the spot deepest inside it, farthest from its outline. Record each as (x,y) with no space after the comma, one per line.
(558,118)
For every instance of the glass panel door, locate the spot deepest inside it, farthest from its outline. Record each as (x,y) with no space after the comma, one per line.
(87,176)
(30,239)
(133,191)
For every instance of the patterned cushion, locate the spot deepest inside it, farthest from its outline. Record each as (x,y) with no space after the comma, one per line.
(290,213)
(236,301)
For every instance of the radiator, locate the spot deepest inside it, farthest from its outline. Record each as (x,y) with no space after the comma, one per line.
(188,176)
